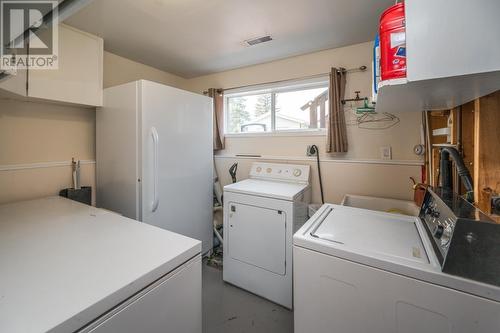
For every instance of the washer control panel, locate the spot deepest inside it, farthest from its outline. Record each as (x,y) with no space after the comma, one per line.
(277,171)
(439,221)
(465,241)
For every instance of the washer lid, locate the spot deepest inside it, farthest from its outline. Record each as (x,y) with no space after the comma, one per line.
(365,231)
(266,188)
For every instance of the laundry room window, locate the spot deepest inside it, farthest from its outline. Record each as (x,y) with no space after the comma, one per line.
(285,107)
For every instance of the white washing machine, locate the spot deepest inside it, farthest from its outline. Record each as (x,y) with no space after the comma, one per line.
(261,214)
(357,270)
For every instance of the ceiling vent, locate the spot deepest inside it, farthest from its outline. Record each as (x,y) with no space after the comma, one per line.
(258,40)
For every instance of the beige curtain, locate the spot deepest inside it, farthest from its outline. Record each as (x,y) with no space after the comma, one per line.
(218,123)
(337,129)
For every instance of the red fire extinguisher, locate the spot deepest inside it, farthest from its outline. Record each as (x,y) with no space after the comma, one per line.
(393,42)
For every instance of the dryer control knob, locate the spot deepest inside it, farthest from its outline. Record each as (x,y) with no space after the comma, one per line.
(259,169)
(297,172)
(439,231)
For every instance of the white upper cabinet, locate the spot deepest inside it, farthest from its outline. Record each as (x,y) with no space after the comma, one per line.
(452,37)
(79,77)
(453,56)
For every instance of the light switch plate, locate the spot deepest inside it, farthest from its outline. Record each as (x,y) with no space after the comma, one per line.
(386,153)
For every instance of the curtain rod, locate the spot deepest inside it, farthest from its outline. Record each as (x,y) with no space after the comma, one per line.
(350,70)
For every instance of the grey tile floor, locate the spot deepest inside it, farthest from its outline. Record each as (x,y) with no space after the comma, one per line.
(228,309)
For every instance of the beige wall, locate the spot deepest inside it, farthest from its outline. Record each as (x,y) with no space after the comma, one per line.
(294,67)
(119,70)
(37,142)
(33,133)
(344,173)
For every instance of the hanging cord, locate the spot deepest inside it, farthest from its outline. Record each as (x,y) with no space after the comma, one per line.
(315,150)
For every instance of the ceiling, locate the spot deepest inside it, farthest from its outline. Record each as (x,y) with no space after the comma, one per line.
(196,37)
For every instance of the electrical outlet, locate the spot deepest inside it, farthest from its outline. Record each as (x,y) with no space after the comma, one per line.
(311,151)
(386,153)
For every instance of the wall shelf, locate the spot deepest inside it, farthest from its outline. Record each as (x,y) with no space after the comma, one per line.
(437,94)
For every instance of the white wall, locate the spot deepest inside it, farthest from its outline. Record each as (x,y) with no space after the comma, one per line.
(360,171)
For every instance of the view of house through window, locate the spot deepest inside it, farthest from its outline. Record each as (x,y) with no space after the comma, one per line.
(293,107)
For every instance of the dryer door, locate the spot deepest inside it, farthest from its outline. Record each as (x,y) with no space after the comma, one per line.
(257,236)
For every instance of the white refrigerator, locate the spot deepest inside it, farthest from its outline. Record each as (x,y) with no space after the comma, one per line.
(154,157)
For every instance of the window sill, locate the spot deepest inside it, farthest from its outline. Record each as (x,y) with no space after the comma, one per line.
(321,132)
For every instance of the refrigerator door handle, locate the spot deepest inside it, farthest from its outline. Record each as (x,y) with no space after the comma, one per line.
(156,200)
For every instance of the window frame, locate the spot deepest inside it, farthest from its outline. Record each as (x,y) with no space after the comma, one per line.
(273,89)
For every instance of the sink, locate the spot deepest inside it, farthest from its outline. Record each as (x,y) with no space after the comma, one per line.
(388,205)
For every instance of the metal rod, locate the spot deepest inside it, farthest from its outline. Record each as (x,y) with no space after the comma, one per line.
(350,70)
(459,129)
(430,162)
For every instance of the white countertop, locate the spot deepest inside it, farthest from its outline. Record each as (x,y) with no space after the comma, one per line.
(62,263)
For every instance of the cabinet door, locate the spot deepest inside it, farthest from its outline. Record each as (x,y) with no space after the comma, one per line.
(177,123)
(257,236)
(174,306)
(79,77)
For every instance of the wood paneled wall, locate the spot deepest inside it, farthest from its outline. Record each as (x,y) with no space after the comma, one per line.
(476,132)
(487,150)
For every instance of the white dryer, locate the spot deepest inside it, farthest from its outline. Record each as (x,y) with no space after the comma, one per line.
(261,215)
